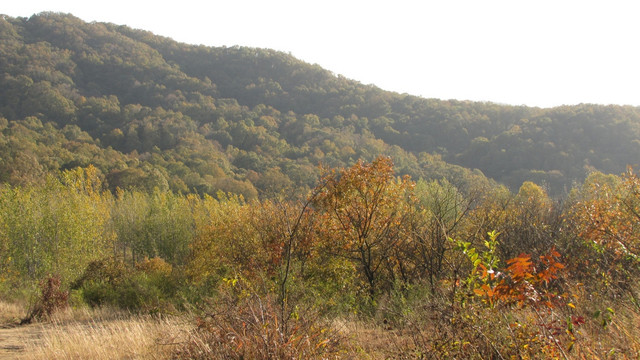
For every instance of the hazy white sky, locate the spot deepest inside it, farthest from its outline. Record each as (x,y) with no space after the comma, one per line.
(538,53)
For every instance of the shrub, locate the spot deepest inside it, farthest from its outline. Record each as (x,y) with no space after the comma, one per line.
(243,325)
(148,287)
(51,299)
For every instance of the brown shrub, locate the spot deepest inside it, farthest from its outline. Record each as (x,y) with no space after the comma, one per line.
(246,326)
(52,298)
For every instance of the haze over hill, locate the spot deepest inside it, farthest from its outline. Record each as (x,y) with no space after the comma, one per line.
(545,53)
(151,112)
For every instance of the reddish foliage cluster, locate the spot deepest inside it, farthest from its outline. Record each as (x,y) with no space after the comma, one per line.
(52,298)
(524,283)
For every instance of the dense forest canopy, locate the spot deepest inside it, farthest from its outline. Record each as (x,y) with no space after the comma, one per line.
(150,112)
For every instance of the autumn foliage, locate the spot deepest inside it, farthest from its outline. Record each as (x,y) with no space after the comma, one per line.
(365,215)
(500,275)
(608,214)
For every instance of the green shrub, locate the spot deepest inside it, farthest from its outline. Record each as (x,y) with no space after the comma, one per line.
(148,287)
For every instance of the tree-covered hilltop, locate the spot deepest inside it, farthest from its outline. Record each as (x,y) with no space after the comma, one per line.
(150,112)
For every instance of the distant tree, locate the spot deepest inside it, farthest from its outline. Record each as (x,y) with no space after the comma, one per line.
(44,99)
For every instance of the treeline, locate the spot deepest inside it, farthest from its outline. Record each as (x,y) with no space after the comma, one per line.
(377,228)
(150,112)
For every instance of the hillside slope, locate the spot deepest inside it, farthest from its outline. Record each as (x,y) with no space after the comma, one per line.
(152,112)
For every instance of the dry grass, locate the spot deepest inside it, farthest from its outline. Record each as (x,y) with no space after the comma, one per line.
(367,340)
(619,339)
(92,334)
(489,333)
(11,312)
(133,338)
(113,334)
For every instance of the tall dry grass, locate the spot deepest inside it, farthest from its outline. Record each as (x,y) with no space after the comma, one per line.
(105,334)
(252,329)
(11,312)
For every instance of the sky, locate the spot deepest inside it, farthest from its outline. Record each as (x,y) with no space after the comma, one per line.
(537,53)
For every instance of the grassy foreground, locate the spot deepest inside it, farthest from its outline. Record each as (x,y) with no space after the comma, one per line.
(92,334)
(425,332)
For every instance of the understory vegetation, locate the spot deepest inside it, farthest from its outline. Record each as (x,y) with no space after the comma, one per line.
(367,265)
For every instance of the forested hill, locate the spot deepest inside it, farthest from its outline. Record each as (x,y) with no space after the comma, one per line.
(151,112)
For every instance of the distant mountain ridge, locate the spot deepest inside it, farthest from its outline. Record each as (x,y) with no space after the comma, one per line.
(151,112)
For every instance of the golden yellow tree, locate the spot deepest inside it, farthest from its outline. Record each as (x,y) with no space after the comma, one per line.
(608,213)
(365,213)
